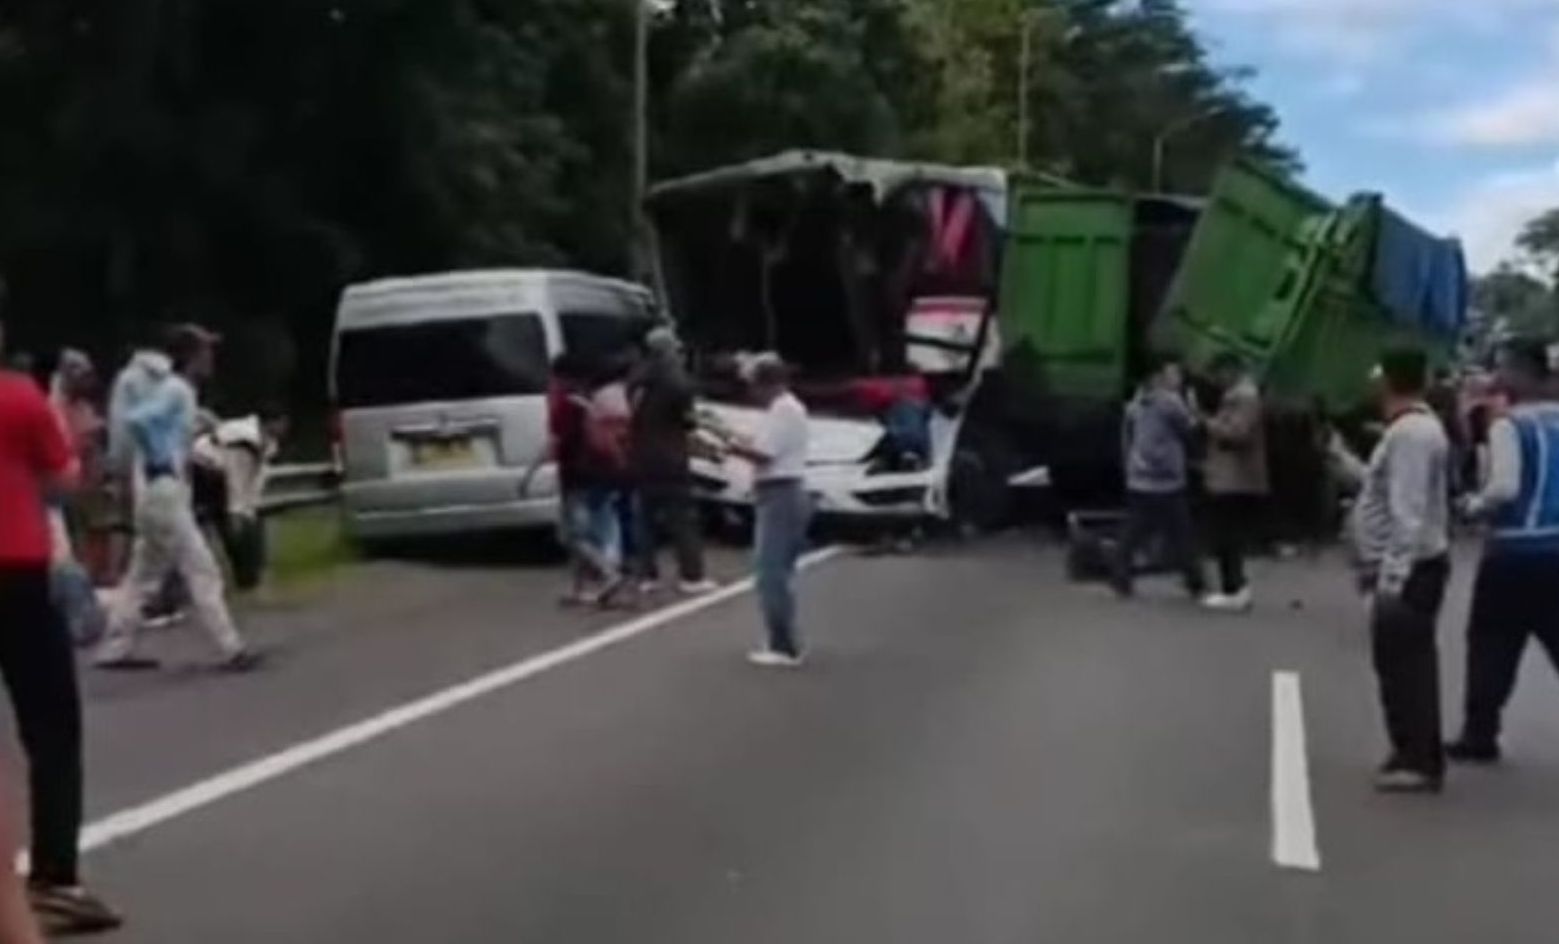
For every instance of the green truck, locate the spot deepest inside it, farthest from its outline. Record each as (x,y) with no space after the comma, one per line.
(1015,311)
(1310,293)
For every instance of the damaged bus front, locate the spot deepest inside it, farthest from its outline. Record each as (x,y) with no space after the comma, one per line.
(875,280)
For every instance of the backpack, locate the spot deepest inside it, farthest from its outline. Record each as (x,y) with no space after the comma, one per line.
(608,419)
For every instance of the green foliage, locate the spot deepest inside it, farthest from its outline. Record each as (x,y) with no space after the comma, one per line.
(1511,302)
(1539,239)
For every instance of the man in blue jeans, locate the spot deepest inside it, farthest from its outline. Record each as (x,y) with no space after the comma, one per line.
(784,510)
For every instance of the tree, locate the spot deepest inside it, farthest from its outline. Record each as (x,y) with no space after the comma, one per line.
(1511,302)
(783,74)
(239,161)
(1539,240)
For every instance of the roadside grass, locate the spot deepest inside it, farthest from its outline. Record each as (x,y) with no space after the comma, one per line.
(307,547)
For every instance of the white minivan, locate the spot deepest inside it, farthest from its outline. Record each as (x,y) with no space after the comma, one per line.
(440,385)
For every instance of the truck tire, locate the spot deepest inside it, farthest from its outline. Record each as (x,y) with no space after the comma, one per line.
(978,498)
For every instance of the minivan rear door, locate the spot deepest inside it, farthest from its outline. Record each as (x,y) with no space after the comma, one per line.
(454,400)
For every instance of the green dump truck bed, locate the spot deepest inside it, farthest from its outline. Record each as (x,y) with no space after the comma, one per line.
(1281,276)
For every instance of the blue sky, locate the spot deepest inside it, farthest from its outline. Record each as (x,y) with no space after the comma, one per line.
(1449,107)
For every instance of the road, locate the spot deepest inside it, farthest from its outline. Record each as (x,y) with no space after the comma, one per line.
(979,752)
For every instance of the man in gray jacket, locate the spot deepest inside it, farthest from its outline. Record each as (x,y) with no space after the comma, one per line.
(1156,436)
(1402,540)
(1235,474)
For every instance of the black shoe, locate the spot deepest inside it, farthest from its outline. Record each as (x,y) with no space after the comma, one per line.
(71,910)
(244,660)
(128,664)
(1473,752)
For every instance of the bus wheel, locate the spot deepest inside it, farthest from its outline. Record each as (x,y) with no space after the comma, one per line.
(977,493)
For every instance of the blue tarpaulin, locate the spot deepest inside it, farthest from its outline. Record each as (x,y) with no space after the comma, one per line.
(1421,280)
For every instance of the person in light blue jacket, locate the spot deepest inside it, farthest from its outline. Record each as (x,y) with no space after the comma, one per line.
(152,426)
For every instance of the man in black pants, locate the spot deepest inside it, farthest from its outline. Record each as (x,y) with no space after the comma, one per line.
(1401,535)
(36,661)
(662,422)
(1236,478)
(1516,595)
(1155,435)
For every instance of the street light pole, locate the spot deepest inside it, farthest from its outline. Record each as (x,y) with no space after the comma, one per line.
(641,135)
(1025,62)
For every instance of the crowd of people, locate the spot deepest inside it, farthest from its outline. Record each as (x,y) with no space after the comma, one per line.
(104,494)
(1423,473)
(98,502)
(624,432)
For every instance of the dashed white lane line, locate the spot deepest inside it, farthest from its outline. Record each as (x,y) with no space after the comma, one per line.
(1293,816)
(139,819)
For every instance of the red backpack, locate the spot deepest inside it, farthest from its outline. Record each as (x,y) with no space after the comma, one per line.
(607,424)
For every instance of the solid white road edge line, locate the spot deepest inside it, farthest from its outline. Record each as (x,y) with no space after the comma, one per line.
(1293,817)
(138,819)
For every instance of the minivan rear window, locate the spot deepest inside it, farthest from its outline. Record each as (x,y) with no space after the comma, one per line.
(462,359)
(602,338)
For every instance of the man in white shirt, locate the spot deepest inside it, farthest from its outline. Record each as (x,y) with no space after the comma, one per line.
(784,510)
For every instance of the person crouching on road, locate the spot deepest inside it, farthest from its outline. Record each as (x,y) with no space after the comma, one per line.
(784,510)
(154,410)
(1235,475)
(1516,595)
(237,455)
(1402,539)
(1157,435)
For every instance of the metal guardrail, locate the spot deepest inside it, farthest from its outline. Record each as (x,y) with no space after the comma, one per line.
(300,486)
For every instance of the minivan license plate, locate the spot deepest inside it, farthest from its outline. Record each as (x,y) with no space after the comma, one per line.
(443,454)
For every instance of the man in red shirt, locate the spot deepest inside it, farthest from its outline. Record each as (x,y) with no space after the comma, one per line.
(36,661)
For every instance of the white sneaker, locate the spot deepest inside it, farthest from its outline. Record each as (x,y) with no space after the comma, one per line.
(769,659)
(694,588)
(1229,602)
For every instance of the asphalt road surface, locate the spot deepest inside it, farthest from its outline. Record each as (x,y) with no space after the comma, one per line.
(978,752)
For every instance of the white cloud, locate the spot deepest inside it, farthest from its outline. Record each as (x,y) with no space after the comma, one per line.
(1345,84)
(1364,31)
(1489,214)
(1523,115)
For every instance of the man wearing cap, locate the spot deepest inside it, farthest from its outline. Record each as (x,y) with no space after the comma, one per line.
(662,422)
(152,424)
(1401,536)
(784,510)
(1516,595)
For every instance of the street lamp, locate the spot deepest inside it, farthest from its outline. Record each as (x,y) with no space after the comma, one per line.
(1160,142)
(641,134)
(1027,22)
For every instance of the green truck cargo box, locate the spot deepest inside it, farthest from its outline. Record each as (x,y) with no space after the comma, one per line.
(1083,276)
(1279,275)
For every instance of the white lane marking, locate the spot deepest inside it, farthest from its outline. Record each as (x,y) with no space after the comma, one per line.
(1293,817)
(138,819)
